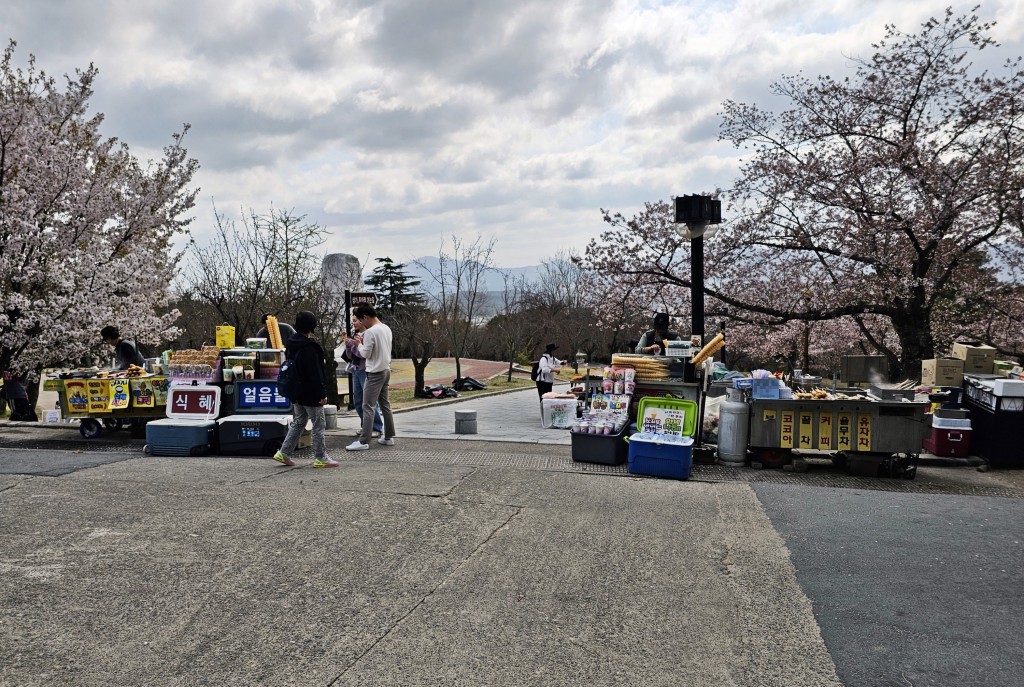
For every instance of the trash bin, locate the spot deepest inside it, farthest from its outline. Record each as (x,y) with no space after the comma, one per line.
(331,417)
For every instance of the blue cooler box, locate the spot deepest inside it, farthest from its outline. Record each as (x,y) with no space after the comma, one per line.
(190,428)
(672,459)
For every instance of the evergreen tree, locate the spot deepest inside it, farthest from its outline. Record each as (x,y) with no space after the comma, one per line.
(394,288)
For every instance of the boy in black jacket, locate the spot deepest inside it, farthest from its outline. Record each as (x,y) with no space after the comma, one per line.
(308,358)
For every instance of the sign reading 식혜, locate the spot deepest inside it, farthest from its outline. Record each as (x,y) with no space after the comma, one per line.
(194,401)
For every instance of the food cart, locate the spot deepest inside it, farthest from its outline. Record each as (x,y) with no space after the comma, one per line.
(101,401)
(880,436)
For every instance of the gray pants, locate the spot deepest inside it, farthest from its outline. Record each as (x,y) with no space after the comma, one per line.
(375,393)
(299,416)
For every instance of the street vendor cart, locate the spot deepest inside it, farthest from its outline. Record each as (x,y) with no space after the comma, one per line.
(109,402)
(880,436)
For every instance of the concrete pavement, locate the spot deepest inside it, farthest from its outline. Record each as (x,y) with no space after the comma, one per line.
(228,571)
(465,562)
(502,417)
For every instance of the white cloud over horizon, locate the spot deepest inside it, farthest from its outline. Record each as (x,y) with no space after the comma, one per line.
(395,123)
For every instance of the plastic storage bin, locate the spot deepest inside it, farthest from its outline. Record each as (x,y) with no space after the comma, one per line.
(765,388)
(658,414)
(558,413)
(605,449)
(651,456)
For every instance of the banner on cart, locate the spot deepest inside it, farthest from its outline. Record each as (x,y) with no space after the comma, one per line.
(142,393)
(77,393)
(119,399)
(99,395)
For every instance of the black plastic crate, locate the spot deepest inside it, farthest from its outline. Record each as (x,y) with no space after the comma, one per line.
(606,449)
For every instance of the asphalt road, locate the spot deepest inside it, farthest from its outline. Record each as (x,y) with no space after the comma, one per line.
(909,589)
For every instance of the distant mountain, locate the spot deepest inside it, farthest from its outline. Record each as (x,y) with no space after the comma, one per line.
(493,280)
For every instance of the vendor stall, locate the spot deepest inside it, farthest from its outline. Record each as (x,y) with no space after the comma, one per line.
(655,376)
(99,398)
(871,435)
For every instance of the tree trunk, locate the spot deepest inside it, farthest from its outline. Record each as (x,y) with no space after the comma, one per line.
(510,369)
(458,368)
(917,343)
(420,367)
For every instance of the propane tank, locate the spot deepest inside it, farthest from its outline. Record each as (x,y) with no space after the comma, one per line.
(733,429)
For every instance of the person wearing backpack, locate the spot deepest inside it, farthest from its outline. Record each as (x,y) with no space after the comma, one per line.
(547,366)
(303,381)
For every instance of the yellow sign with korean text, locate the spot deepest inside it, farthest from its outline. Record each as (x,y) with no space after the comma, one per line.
(825,425)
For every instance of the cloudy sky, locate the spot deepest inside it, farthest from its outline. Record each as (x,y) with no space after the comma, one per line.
(396,122)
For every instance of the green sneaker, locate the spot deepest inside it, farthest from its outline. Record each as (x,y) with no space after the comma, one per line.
(324,463)
(283,459)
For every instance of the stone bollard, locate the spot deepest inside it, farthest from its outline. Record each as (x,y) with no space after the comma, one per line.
(330,417)
(465,422)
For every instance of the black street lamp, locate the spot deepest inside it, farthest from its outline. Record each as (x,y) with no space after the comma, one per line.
(698,217)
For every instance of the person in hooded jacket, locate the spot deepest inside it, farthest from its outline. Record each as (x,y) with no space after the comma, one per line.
(308,404)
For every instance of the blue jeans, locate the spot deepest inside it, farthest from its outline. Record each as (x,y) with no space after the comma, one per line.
(358,384)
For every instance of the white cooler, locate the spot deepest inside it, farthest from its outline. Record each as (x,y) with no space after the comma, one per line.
(190,428)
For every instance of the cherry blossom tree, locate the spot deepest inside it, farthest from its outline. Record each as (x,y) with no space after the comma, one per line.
(891,199)
(85,228)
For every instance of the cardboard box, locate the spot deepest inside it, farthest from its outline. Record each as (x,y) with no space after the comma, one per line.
(942,372)
(977,358)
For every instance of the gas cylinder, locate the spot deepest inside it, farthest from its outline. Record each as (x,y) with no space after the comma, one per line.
(733,429)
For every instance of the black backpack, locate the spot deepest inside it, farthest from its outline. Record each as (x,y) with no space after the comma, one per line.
(535,371)
(287,380)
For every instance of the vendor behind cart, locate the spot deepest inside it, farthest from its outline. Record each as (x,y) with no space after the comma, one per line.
(125,352)
(651,342)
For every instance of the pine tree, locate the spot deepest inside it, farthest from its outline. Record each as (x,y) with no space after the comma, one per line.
(394,288)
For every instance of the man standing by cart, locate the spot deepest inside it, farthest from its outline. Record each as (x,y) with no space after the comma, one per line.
(651,342)
(125,352)
(374,345)
(310,395)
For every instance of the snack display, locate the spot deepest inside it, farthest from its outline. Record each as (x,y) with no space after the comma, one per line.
(645,367)
(193,364)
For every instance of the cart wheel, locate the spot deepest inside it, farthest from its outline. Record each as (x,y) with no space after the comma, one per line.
(272,447)
(198,451)
(90,428)
(145,449)
(113,423)
(911,473)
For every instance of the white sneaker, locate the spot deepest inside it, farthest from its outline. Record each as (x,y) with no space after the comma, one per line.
(357,446)
(386,442)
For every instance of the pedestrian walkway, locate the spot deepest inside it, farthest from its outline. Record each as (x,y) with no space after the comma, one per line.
(509,417)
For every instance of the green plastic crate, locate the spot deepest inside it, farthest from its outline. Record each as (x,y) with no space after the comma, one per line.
(689,408)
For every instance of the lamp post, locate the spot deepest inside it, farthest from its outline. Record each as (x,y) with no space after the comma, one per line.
(696,217)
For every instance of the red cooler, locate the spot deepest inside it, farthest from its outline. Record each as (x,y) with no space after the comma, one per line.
(949,437)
